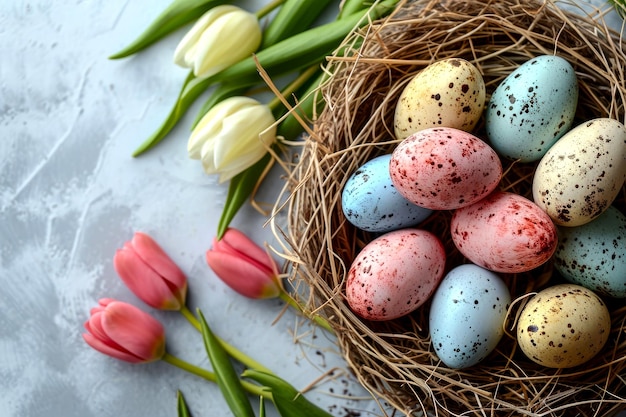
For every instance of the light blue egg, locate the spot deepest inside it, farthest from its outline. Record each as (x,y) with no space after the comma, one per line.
(594,255)
(370,201)
(532,108)
(466,315)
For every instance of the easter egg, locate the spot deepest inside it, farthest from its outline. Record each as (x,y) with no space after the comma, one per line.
(444,168)
(447,93)
(532,108)
(504,232)
(394,274)
(370,201)
(594,255)
(466,315)
(563,326)
(580,176)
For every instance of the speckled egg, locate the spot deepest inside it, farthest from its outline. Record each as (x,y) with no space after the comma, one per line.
(580,176)
(370,201)
(563,326)
(444,168)
(504,232)
(467,314)
(594,255)
(532,108)
(394,274)
(447,93)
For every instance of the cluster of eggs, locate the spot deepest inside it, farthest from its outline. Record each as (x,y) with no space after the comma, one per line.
(439,164)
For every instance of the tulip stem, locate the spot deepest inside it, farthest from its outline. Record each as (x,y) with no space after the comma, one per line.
(268,8)
(230,349)
(319,320)
(293,86)
(210,376)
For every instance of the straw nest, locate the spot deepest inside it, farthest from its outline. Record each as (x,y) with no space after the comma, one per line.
(394,359)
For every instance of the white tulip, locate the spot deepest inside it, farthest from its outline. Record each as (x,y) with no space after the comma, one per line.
(232,136)
(220,38)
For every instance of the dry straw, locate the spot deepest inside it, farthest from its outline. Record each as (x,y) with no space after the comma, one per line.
(394,359)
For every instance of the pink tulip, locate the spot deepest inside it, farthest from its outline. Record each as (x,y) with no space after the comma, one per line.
(244,266)
(125,332)
(149,273)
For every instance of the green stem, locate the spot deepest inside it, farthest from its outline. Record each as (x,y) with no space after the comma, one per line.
(293,86)
(210,376)
(268,8)
(230,349)
(320,321)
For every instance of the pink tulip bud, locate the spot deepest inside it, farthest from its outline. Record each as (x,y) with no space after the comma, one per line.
(125,332)
(244,266)
(149,273)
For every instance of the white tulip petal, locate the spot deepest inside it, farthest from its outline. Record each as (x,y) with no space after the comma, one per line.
(186,49)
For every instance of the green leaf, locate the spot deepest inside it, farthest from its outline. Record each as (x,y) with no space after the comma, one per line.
(239,190)
(293,17)
(176,15)
(227,378)
(183,411)
(261,406)
(288,401)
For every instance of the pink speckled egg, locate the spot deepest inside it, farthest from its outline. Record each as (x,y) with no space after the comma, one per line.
(504,232)
(395,273)
(444,168)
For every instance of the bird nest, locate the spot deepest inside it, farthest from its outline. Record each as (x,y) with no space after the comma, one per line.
(394,359)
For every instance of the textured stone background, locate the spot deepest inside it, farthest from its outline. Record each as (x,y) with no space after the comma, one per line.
(70,195)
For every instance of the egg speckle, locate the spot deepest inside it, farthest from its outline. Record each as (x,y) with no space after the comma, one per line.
(563,326)
(466,315)
(580,176)
(444,168)
(394,274)
(447,93)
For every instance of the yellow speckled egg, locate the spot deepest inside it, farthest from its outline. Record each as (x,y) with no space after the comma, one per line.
(563,326)
(447,93)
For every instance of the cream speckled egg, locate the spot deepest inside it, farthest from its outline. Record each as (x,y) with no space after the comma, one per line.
(447,93)
(444,168)
(582,173)
(563,326)
(394,274)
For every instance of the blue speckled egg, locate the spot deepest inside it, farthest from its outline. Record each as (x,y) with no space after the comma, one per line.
(467,315)
(594,255)
(532,108)
(370,201)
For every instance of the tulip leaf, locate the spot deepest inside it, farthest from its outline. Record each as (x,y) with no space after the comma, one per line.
(176,15)
(288,401)
(352,6)
(239,189)
(292,18)
(227,378)
(183,411)
(261,406)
